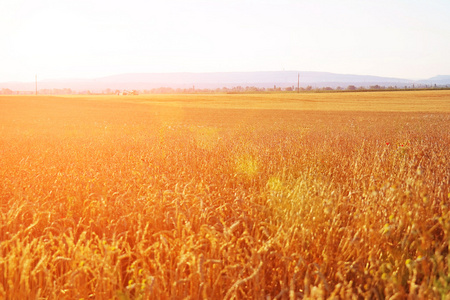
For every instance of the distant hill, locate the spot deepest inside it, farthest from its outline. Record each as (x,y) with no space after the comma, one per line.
(438,80)
(141,81)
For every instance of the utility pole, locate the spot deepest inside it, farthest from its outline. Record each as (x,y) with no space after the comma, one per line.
(298,82)
(35,78)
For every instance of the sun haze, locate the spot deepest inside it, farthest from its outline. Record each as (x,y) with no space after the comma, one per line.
(88,39)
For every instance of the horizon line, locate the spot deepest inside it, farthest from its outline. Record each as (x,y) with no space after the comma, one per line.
(215,72)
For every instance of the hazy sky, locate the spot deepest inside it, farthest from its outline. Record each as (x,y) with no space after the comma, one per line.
(92,38)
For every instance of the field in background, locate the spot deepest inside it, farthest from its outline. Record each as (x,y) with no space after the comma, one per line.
(225,196)
(400,101)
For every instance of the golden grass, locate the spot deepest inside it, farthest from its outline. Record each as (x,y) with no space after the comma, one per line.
(126,200)
(400,101)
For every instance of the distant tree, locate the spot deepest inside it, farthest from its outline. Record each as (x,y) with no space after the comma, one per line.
(351,87)
(251,89)
(7,92)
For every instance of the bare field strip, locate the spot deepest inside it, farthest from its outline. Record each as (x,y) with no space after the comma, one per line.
(404,101)
(261,196)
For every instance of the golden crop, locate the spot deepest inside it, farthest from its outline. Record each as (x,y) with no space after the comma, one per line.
(164,197)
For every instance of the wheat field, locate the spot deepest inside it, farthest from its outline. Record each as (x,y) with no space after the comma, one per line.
(264,196)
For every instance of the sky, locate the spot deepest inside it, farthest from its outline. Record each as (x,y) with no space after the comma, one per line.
(61,39)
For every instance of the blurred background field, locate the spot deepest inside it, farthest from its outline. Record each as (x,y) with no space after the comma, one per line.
(403,101)
(225,196)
